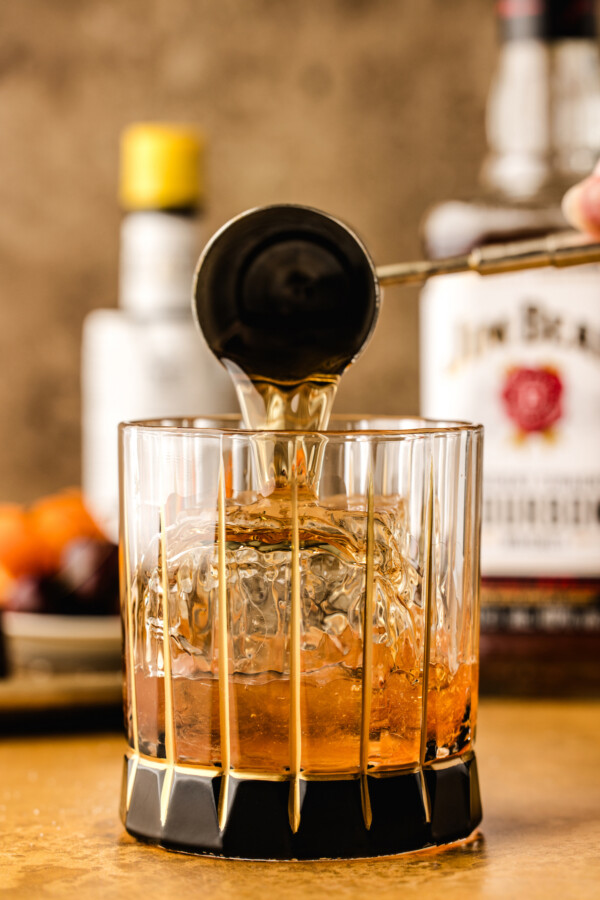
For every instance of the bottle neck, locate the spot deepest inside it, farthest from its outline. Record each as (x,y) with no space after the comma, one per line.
(543,117)
(159,252)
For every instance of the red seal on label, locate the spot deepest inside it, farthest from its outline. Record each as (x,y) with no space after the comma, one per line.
(532,398)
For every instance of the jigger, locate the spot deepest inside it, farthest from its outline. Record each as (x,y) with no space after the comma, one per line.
(287,291)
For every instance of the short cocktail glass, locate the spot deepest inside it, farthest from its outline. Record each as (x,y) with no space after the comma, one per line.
(300,618)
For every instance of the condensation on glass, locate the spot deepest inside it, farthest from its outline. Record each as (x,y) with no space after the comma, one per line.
(300,610)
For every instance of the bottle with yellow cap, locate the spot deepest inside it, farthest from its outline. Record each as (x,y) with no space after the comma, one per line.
(146,359)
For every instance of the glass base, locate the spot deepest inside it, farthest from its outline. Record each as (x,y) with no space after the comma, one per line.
(179,809)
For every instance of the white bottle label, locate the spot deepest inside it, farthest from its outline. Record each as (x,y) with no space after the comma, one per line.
(520,353)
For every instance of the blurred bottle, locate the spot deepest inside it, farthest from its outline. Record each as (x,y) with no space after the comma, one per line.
(521,354)
(147,359)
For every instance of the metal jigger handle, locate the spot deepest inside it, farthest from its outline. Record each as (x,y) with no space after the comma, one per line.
(562,249)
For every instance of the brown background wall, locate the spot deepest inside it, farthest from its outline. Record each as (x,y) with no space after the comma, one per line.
(371,109)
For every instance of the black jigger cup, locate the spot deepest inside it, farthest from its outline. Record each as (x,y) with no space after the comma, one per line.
(287,298)
(286,293)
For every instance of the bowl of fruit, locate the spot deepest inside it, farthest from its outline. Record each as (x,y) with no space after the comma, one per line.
(59,587)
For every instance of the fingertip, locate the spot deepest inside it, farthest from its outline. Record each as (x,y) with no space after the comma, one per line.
(588,205)
(572,207)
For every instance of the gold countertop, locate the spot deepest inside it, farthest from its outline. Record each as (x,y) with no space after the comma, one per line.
(540,838)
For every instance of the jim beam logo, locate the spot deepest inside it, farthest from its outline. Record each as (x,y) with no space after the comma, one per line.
(531,396)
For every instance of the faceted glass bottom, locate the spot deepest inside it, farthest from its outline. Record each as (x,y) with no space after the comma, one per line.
(407,812)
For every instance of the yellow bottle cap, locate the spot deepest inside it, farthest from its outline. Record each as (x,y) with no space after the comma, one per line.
(161,167)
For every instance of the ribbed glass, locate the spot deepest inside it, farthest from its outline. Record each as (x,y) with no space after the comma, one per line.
(300,605)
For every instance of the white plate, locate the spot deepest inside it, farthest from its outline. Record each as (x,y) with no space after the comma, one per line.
(62,643)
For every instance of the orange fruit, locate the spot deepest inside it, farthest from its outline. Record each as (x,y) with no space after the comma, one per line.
(56,521)
(19,551)
(6,582)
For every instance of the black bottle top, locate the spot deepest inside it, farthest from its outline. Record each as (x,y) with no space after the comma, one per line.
(549,20)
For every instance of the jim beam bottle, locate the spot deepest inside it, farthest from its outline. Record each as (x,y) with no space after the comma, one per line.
(521,354)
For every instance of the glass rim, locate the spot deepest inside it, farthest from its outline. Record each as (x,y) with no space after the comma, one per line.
(184,425)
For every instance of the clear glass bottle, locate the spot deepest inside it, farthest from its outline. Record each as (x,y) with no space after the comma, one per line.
(147,359)
(521,354)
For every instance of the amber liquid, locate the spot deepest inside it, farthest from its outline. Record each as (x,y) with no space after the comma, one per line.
(331,720)
(332,584)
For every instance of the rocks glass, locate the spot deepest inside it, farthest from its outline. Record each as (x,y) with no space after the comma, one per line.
(300,615)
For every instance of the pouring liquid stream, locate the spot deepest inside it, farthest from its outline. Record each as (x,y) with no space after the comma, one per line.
(277,406)
(268,406)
